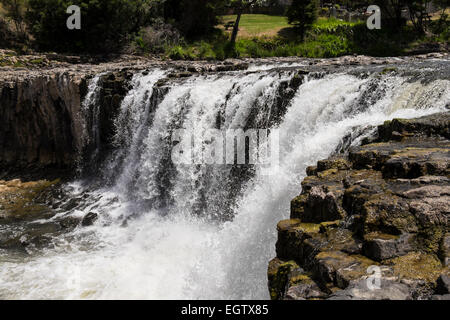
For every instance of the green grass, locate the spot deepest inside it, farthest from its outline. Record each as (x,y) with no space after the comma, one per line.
(270,36)
(261,25)
(257,25)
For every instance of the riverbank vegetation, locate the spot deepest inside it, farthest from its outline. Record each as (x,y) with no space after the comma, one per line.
(220,29)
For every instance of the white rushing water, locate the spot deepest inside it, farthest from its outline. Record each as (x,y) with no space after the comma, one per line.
(161,232)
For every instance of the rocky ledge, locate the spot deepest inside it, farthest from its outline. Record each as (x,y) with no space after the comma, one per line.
(373,223)
(44,128)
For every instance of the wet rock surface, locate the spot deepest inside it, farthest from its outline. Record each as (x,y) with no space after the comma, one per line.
(23,210)
(383,205)
(34,214)
(89,219)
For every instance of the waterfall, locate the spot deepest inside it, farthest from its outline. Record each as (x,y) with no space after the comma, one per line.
(177,231)
(90,111)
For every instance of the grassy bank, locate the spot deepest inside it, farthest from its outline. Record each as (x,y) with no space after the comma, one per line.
(256,25)
(270,36)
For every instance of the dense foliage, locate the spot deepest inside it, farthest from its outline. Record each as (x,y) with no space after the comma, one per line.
(194,29)
(192,17)
(106,24)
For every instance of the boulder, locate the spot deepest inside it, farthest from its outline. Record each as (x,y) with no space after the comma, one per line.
(339,163)
(434,125)
(418,270)
(291,234)
(322,205)
(340,268)
(379,246)
(89,219)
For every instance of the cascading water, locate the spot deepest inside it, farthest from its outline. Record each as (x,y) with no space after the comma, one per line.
(171,231)
(90,110)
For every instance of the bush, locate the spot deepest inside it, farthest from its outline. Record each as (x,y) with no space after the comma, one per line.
(156,38)
(326,46)
(177,53)
(15,12)
(441,27)
(206,51)
(182,53)
(105,24)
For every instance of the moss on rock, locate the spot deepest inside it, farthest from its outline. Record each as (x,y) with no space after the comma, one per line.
(385,204)
(416,266)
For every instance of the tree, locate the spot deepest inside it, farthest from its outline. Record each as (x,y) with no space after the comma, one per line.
(239,8)
(192,18)
(418,14)
(443,22)
(303,14)
(105,24)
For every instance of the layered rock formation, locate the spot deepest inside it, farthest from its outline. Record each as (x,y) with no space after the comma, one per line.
(42,125)
(36,121)
(372,224)
(41,99)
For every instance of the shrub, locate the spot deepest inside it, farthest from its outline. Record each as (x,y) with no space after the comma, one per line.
(177,53)
(156,38)
(442,26)
(15,12)
(182,53)
(206,51)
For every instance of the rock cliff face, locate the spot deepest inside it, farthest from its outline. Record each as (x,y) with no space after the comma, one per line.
(42,125)
(377,215)
(36,121)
